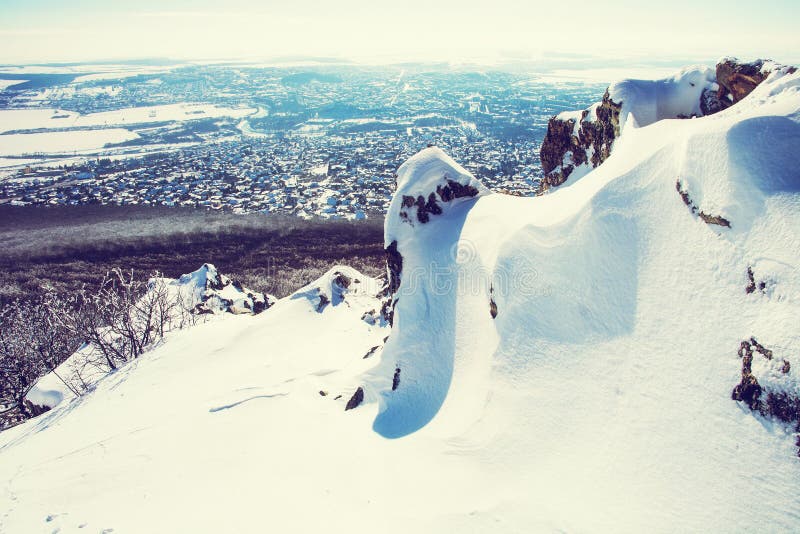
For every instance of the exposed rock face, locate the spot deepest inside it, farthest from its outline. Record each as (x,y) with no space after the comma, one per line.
(394,265)
(713,101)
(586,137)
(737,80)
(568,145)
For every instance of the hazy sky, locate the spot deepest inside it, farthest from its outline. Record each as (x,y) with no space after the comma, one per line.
(59,30)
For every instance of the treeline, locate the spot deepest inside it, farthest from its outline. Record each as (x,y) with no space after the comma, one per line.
(65,248)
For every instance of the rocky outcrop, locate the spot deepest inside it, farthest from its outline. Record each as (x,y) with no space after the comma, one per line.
(574,141)
(737,80)
(394,266)
(212,293)
(586,137)
(356,400)
(777,398)
(427,206)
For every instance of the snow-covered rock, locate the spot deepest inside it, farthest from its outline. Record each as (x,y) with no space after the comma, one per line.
(213,292)
(577,142)
(343,285)
(737,79)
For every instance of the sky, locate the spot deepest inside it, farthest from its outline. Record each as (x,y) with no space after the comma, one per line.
(435,30)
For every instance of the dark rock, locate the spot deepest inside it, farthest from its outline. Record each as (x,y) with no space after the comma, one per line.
(758,347)
(715,219)
(597,133)
(430,205)
(708,219)
(259,306)
(737,80)
(751,281)
(453,190)
(783,406)
(323,393)
(371,351)
(748,389)
(323,301)
(713,102)
(342,280)
(422,212)
(394,264)
(355,400)
(685,196)
(396,379)
(387,310)
(778,403)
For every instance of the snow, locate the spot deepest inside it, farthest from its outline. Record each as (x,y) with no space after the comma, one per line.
(30,119)
(9,83)
(605,75)
(597,399)
(214,292)
(205,290)
(667,98)
(62,142)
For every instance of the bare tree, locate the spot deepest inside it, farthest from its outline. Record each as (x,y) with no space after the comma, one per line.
(32,343)
(111,324)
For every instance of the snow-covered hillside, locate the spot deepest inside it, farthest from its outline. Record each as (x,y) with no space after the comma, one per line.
(189,299)
(558,363)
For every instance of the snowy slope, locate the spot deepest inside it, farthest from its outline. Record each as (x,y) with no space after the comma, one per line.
(201,293)
(558,363)
(606,377)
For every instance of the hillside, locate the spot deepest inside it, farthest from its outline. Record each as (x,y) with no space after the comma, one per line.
(619,354)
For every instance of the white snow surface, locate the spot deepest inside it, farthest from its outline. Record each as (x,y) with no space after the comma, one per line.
(66,142)
(667,98)
(597,400)
(36,118)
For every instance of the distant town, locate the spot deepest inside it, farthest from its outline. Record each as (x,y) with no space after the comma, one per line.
(314,142)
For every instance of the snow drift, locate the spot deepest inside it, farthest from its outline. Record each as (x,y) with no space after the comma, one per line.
(600,326)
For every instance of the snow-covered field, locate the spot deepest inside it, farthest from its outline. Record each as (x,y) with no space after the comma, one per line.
(8,83)
(62,142)
(31,119)
(558,363)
